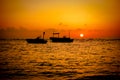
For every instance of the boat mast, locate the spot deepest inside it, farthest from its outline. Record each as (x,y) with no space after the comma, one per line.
(43,34)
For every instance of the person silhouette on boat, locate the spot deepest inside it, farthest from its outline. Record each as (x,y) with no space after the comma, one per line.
(39,37)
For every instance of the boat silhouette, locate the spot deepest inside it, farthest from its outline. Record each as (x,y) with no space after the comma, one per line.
(62,39)
(37,40)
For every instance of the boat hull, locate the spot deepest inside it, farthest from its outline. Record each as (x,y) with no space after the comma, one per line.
(41,41)
(53,39)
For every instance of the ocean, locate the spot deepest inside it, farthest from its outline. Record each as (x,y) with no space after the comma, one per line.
(81,60)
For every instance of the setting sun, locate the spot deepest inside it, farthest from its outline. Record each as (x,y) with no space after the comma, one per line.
(81,35)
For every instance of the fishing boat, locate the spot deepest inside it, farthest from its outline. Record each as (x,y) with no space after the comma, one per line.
(37,40)
(61,39)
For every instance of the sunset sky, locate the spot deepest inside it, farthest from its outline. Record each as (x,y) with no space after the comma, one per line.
(28,18)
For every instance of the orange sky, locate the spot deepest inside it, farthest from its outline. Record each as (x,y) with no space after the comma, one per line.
(90,17)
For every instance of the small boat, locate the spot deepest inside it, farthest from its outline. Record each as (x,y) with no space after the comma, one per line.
(37,40)
(63,39)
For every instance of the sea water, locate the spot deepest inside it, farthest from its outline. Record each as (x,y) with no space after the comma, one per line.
(80,60)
